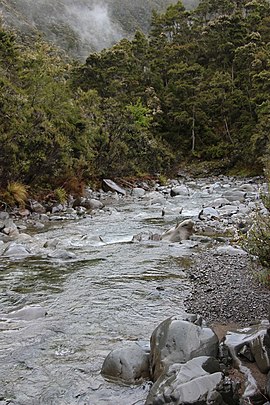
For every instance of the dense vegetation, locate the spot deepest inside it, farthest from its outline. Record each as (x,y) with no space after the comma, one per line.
(197,87)
(82,26)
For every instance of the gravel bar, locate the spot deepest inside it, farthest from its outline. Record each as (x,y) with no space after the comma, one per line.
(226,289)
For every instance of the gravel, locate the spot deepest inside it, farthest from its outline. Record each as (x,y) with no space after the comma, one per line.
(226,289)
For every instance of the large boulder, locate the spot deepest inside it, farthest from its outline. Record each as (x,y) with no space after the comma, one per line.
(199,381)
(177,341)
(255,340)
(109,185)
(180,232)
(27,313)
(16,251)
(181,190)
(129,364)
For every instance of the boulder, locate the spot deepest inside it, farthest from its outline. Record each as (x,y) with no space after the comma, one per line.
(256,339)
(199,381)
(129,364)
(180,232)
(109,185)
(177,341)
(180,190)
(235,195)
(27,313)
(230,250)
(61,254)
(16,251)
(138,192)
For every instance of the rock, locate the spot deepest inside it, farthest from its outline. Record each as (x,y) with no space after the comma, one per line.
(180,232)
(267,387)
(129,364)
(27,313)
(61,254)
(234,195)
(219,202)
(199,381)
(257,339)
(138,192)
(4,215)
(16,251)
(230,250)
(109,185)
(180,190)
(208,213)
(247,188)
(93,204)
(37,207)
(178,341)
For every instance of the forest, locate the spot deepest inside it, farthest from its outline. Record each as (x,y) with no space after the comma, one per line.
(195,88)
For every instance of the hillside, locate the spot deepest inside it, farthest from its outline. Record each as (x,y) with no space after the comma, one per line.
(83,26)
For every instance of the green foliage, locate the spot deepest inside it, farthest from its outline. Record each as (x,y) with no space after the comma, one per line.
(60,195)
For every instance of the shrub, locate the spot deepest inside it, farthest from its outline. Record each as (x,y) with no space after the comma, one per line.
(257,241)
(15,193)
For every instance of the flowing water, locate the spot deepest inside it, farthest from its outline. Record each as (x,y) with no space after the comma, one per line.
(111,292)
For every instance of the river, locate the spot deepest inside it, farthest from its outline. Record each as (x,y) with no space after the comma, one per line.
(112,291)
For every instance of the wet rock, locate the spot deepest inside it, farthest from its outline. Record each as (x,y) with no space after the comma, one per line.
(230,250)
(181,190)
(208,213)
(129,364)
(247,188)
(27,313)
(219,202)
(257,339)
(267,387)
(138,192)
(181,232)
(235,195)
(61,254)
(178,341)
(16,251)
(199,381)
(109,185)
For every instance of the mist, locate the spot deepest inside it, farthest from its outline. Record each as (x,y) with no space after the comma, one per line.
(93,24)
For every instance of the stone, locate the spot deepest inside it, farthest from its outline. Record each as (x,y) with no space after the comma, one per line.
(129,364)
(61,254)
(208,213)
(199,381)
(230,250)
(234,195)
(27,313)
(178,341)
(37,207)
(181,190)
(257,339)
(138,192)
(180,232)
(16,251)
(109,185)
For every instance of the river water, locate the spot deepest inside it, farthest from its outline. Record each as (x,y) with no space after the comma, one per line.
(112,291)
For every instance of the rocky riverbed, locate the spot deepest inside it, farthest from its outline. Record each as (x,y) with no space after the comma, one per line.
(83,279)
(226,288)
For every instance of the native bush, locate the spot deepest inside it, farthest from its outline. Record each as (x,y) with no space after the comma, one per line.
(257,241)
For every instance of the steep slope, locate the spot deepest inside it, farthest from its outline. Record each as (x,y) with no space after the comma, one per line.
(83,26)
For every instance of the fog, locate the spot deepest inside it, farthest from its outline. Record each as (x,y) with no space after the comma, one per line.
(93,24)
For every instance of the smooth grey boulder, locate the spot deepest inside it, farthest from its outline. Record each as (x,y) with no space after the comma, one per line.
(138,192)
(230,250)
(235,195)
(177,341)
(180,232)
(37,207)
(61,254)
(181,190)
(219,202)
(208,213)
(199,381)
(257,339)
(129,364)
(27,313)
(16,251)
(109,185)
